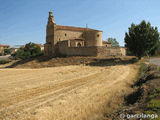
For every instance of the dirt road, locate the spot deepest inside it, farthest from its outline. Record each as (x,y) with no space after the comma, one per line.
(61,93)
(155,61)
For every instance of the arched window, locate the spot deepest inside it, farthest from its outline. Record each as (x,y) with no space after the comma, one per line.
(65,34)
(97,35)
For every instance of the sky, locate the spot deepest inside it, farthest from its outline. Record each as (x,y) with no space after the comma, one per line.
(23,21)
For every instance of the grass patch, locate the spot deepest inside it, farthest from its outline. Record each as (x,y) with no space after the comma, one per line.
(153,115)
(155,93)
(153,107)
(142,69)
(4,62)
(140,77)
(146,73)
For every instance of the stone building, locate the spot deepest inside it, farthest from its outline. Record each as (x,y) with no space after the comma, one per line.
(107,43)
(72,41)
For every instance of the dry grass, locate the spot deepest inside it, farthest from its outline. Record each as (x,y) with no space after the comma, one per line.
(61,93)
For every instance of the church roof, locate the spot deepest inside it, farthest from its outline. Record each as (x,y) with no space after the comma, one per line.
(61,27)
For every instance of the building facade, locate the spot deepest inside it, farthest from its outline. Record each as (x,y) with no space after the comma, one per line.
(2,47)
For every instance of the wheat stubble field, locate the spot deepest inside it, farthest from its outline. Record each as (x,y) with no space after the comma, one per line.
(61,93)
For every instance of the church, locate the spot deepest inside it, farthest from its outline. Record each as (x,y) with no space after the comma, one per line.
(76,41)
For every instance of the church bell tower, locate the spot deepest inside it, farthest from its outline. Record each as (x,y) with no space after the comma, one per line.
(50,35)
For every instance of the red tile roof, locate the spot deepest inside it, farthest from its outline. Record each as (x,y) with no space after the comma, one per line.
(39,45)
(61,27)
(4,45)
(106,42)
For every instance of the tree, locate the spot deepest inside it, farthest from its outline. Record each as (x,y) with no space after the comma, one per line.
(141,39)
(155,50)
(7,51)
(29,51)
(113,42)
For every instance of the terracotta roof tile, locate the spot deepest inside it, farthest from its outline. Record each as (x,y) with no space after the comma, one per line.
(107,42)
(39,45)
(4,45)
(74,28)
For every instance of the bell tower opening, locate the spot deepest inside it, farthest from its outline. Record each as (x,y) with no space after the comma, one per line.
(79,45)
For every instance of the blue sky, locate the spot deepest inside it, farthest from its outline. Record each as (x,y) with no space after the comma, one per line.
(22,21)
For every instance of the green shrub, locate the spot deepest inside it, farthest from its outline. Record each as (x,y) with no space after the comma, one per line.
(4,61)
(142,69)
(153,107)
(150,112)
(7,51)
(155,93)
(154,104)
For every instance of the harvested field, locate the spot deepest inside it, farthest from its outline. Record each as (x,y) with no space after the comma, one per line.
(61,93)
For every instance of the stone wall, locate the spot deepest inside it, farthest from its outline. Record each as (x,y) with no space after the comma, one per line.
(123,51)
(91,51)
(78,51)
(111,51)
(61,35)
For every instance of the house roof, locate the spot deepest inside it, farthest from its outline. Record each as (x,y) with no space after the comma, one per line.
(4,45)
(61,27)
(106,42)
(39,45)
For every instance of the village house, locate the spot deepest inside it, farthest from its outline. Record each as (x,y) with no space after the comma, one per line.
(2,47)
(15,48)
(41,46)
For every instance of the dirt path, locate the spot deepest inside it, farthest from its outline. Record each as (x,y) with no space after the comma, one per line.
(155,61)
(60,93)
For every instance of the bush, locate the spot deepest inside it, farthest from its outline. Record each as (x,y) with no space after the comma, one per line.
(4,61)
(7,51)
(153,107)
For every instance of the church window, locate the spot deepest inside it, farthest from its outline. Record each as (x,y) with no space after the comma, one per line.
(98,35)
(65,34)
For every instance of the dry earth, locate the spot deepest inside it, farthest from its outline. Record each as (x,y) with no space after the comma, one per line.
(61,93)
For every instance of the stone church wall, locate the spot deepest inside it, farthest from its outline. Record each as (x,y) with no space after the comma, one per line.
(92,51)
(61,35)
